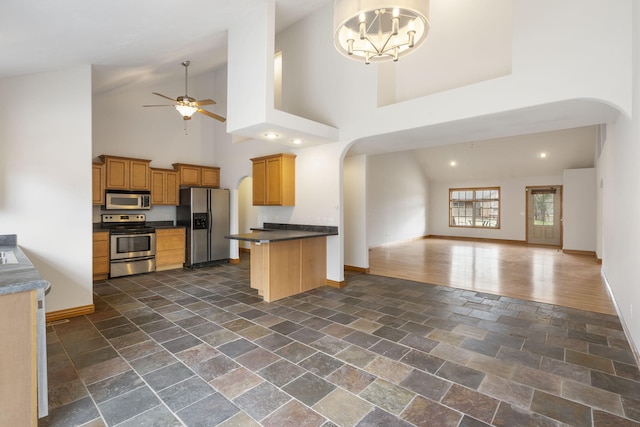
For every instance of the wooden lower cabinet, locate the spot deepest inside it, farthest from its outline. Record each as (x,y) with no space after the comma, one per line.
(100,255)
(170,248)
(18,359)
(289,267)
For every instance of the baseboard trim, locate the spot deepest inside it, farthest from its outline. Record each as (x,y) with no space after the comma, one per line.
(625,329)
(477,239)
(170,267)
(335,284)
(70,312)
(234,260)
(576,252)
(364,270)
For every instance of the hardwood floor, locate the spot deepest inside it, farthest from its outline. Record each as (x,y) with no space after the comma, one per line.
(531,273)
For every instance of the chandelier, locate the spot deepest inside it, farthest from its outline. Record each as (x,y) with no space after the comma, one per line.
(379,30)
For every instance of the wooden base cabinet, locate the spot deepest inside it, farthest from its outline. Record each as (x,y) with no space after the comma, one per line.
(289,267)
(18,359)
(170,248)
(100,255)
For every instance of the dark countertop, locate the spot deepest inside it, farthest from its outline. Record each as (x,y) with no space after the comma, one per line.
(271,232)
(18,277)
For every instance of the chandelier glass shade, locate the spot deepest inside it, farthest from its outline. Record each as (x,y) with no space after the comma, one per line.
(379,30)
(186,106)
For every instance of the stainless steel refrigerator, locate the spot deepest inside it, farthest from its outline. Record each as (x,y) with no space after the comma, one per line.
(205,213)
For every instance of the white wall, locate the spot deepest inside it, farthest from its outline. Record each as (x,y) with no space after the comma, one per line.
(320,84)
(579,209)
(512,207)
(123,127)
(355,211)
(397,198)
(45,178)
(618,167)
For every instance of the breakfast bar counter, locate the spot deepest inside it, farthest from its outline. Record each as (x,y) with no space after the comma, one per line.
(287,259)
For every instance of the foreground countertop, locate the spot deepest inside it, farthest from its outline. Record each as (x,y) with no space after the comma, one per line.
(273,232)
(18,277)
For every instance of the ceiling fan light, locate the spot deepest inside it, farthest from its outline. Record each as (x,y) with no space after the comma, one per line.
(186,110)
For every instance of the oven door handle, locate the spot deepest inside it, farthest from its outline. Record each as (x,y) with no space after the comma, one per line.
(142,258)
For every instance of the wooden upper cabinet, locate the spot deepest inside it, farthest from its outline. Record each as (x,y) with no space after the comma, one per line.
(259,173)
(274,180)
(197,175)
(98,178)
(210,177)
(123,173)
(164,187)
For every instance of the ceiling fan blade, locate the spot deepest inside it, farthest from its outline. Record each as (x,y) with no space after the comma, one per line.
(205,102)
(159,105)
(164,96)
(210,114)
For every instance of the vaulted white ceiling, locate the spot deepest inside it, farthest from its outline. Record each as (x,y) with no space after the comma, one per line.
(133,41)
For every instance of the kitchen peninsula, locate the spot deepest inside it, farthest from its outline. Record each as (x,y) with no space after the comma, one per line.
(287,259)
(23,360)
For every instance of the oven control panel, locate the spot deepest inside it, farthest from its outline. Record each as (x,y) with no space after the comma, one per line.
(123,218)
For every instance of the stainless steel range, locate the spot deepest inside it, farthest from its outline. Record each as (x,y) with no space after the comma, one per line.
(133,244)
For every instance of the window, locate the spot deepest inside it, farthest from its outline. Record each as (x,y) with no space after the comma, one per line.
(474,207)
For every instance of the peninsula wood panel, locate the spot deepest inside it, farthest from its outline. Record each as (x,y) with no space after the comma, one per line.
(313,258)
(289,267)
(18,352)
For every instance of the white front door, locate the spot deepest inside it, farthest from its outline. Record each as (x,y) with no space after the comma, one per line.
(544,215)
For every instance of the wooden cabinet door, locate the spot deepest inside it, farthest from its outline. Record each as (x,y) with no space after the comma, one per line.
(172,188)
(259,172)
(158,188)
(170,248)
(97,189)
(274,181)
(164,187)
(117,171)
(100,255)
(139,175)
(190,175)
(210,177)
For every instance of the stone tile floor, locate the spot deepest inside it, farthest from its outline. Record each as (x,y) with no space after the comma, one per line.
(200,348)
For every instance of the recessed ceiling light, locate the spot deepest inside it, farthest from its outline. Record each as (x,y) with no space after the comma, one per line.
(297,141)
(452,163)
(542,155)
(271,135)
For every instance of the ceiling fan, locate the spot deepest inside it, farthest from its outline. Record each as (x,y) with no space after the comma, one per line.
(186,105)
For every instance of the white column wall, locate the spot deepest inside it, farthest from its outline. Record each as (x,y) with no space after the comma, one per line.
(355,211)
(579,209)
(45,178)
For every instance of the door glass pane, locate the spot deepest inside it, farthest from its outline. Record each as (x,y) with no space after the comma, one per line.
(543,209)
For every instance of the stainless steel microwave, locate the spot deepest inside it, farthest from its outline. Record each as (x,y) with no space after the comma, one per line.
(127,200)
